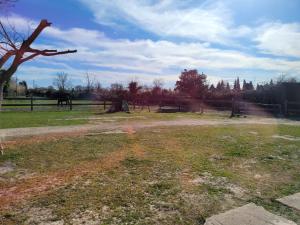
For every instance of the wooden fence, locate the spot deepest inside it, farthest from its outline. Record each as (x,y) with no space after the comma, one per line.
(236,107)
(245,108)
(292,108)
(53,103)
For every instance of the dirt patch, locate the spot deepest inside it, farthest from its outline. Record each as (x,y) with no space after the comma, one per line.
(114,132)
(90,119)
(216,157)
(286,137)
(247,163)
(156,131)
(262,177)
(129,129)
(117,131)
(43,216)
(9,173)
(7,167)
(8,134)
(163,210)
(106,132)
(36,185)
(220,182)
(138,151)
(39,139)
(87,217)
(128,117)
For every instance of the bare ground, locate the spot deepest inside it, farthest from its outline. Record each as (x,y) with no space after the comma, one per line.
(12,133)
(36,185)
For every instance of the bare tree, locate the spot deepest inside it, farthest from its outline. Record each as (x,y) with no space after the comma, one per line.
(98,86)
(284,78)
(62,81)
(157,87)
(90,83)
(158,83)
(15,50)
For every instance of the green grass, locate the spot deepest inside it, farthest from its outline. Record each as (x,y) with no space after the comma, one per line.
(14,119)
(154,181)
(62,154)
(39,119)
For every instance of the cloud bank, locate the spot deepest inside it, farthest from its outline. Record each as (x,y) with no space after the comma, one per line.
(209,41)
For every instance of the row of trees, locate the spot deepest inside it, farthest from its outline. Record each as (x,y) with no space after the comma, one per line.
(190,84)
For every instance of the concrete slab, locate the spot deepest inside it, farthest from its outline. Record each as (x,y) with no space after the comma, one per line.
(292,201)
(248,215)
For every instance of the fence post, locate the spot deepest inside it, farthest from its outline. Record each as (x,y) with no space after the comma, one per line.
(202,107)
(71,106)
(31,103)
(280,109)
(104,105)
(232,107)
(286,108)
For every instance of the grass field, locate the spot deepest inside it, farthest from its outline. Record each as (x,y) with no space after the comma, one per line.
(77,117)
(47,118)
(154,176)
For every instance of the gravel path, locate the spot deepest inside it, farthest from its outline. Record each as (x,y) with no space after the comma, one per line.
(6,134)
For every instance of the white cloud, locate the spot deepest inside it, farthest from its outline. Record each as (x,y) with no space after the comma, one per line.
(279,39)
(157,56)
(121,59)
(210,21)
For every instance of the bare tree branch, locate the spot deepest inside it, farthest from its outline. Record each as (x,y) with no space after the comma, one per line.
(5,57)
(6,38)
(6,42)
(9,47)
(42,25)
(46,53)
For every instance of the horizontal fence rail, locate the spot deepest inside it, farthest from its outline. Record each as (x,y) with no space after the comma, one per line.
(71,102)
(235,106)
(292,108)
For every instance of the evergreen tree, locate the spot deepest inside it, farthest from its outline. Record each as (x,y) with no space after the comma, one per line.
(237,85)
(244,85)
(251,87)
(228,87)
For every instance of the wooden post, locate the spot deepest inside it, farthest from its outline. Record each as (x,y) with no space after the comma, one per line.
(71,105)
(280,110)
(286,108)
(104,104)
(31,103)
(232,107)
(201,107)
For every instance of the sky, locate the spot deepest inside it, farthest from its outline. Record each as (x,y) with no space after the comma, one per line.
(118,41)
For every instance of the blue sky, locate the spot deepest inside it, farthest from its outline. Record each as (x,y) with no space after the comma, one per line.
(121,40)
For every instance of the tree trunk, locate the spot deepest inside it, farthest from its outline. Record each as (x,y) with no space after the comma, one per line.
(1,94)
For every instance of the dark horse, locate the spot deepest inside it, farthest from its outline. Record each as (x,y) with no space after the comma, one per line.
(63,98)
